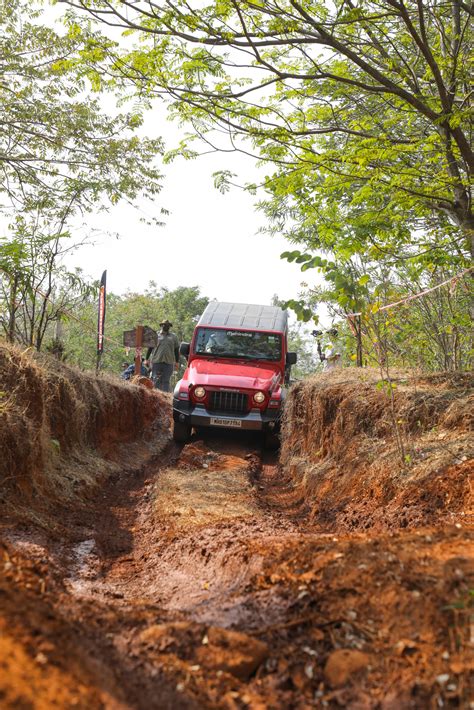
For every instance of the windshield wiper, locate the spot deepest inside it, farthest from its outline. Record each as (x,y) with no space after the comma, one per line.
(262,357)
(240,356)
(221,354)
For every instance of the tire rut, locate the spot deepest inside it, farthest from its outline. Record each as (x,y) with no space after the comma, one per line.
(187,536)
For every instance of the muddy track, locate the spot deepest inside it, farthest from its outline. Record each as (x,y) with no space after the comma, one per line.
(182,534)
(194,582)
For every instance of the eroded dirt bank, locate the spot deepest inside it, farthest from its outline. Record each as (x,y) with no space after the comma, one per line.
(203,578)
(64,432)
(362,460)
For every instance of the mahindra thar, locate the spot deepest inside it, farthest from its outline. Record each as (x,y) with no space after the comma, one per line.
(238,366)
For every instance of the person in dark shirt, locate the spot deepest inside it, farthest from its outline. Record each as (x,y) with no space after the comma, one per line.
(129,370)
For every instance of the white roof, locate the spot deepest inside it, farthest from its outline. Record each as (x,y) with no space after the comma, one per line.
(244,315)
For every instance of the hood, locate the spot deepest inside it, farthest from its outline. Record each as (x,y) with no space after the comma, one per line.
(225,374)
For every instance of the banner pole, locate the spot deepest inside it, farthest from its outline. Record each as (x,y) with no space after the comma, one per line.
(138,349)
(101,319)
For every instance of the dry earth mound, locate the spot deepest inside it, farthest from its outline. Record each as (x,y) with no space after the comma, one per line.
(62,429)
(363,456)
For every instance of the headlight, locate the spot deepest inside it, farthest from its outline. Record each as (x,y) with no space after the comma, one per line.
(259,397)
(199,392)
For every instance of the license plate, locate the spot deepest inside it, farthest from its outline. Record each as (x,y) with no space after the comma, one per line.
(235,423)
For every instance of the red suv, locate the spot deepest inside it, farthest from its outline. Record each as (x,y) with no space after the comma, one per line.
(238,365)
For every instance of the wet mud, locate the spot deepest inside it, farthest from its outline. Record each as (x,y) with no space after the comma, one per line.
(198,581)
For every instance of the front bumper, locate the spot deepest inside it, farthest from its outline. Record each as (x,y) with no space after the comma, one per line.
(197,415)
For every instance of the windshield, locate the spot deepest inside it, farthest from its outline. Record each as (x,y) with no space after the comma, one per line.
(251,345)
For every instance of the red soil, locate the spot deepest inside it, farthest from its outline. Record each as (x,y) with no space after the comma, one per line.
(209,577)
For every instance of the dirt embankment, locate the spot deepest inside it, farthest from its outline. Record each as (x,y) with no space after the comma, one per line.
(211,577)
(357,461)
(62,433)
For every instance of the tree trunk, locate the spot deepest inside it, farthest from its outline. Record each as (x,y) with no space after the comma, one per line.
(12,310)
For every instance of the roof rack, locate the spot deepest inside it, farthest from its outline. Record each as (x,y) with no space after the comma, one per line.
(244,315)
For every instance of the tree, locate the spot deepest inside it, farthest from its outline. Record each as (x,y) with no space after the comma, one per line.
(57,145)
(36,290)
(182,306)
(431,332)
(300,342)
(308,361)
(61,155)
(364,107)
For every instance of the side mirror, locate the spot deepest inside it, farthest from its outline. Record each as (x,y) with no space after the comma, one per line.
(184,349)
(291,358)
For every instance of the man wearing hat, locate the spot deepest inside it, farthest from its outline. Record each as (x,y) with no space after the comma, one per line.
(164,357)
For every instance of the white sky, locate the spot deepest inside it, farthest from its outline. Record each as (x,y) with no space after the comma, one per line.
(209,239)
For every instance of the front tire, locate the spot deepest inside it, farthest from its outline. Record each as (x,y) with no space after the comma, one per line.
(181,432)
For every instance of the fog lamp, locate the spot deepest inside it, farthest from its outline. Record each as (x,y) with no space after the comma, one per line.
(259,397)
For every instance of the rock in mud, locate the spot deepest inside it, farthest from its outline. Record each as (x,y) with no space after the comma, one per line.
(344,663)
(143,381)
(232,652)
(177,636)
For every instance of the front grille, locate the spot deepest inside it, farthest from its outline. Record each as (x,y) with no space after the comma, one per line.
(228,402)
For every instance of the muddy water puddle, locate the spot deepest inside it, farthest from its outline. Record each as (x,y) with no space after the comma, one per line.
(83,568)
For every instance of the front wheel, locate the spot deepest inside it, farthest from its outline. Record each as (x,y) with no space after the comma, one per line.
(181,432)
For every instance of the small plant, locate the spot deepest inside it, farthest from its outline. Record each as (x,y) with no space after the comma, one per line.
(55,445)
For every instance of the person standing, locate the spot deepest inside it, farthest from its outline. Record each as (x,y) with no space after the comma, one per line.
(332,359)
(164,358)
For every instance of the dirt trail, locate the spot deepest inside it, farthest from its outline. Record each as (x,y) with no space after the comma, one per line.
(194,582)
(185,537)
